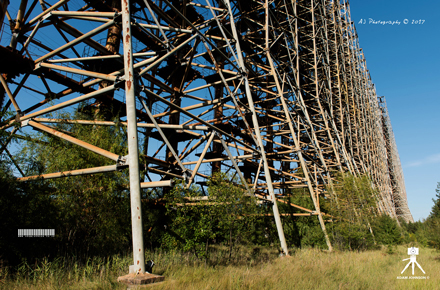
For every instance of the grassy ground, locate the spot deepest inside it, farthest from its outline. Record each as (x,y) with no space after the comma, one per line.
(250,269)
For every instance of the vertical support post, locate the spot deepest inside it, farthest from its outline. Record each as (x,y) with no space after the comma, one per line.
(3,7)
(135,189)
(18,24)
(260,145)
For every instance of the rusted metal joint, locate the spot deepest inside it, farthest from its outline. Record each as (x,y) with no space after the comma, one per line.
(243,73)
(12,24)
(122,162)
(48,15)
(217,134)
(25,123)
(18,116)
(119,82)
(142,88)
(117,18)
(185,177)
(117,14)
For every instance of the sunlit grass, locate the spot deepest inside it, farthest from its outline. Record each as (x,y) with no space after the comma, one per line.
(313,269)
(250,268)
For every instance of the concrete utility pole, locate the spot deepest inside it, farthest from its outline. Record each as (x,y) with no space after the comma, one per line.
(133,151)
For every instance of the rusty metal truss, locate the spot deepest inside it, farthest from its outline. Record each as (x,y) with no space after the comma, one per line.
(277,92)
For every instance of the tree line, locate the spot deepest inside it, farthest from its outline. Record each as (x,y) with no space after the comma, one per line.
(91,214)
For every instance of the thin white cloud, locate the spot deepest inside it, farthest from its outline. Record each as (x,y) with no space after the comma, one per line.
(428,160)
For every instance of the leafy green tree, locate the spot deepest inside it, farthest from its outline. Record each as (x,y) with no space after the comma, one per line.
(225,216)
(386,230)
(235,211)
(24,206)
(433,222)
(414,233)
(93,211)
(190,227)
(355,206)
(435,212)
(302,231)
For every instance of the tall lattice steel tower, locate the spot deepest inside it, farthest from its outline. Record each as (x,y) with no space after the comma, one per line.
(265,89)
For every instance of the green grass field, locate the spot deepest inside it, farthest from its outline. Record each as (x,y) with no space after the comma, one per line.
(250,269)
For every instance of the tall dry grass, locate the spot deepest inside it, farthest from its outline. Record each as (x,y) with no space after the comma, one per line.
(250,268)
(313,269)
(66,273)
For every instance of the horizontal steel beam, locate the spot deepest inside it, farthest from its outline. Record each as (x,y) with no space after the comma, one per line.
(77,172)
(77,71)
(76,41)
(164,183)
(64,104)
(53,7)
(85,13)
(109,123)
(75,141)
(198,119)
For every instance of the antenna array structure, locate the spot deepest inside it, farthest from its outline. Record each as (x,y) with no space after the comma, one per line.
(277,92)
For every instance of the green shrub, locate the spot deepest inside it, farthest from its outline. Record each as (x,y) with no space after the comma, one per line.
(226,216)
(354,206)
(433,222)
(386,230)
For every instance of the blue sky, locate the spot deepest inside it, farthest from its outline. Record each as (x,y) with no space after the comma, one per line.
(404,63)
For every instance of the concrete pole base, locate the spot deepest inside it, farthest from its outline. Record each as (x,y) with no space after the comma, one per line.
(140,279)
